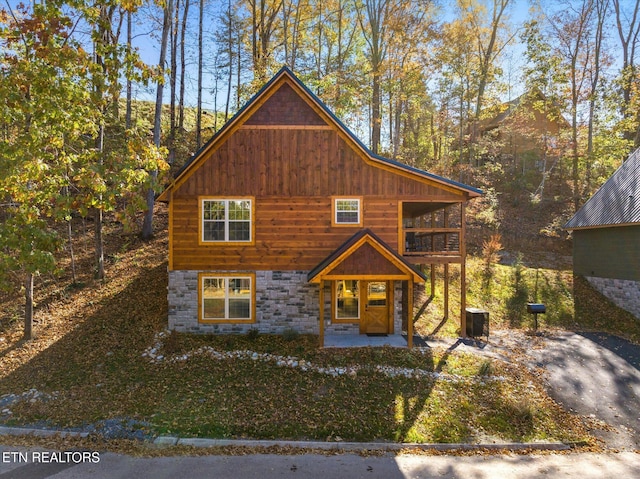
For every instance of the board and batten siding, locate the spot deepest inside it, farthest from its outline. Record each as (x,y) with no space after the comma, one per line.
(299,162)
(607,252)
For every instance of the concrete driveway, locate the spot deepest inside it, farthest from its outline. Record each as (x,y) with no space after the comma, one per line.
(598,376)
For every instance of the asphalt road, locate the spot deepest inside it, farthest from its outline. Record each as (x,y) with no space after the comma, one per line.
(311,466)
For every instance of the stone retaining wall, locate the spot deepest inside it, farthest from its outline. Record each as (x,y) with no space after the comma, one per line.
(623,293)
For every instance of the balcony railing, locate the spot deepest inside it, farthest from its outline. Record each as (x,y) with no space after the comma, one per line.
(431,241)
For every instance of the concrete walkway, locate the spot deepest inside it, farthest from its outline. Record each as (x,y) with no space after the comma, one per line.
(362,340)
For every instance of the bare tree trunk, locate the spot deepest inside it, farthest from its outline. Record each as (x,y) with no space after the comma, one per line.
(74,277)
(97,219)
(319,12)
(376,115)
(172,81)
(185,15)
(486,61)
(128,113)
(239,71)
(399,110)
(97,216)
(230,52)
(601,7)
(574,136)
(104,36)
(28,307)
(372,18)
(200,48)
(147,225)
(628,42)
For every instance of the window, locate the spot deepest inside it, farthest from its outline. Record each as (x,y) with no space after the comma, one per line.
(346,211)
(226,298)
(376,293)
(227,220)
(347,299)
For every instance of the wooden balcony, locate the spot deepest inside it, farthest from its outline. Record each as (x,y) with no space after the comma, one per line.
(432,233)
(432,245)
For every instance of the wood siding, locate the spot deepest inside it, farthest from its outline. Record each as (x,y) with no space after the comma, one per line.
(366,261)
(291,160)
(291,233)
(607,252)
(285,107)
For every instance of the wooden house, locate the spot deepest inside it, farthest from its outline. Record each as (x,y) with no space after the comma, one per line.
(606,237)
(529,126)
(285,220)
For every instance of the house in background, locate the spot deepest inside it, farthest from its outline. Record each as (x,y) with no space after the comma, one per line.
(528,127)
(606,237)
(285,220)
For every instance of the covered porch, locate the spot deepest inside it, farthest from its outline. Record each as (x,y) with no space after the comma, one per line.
(432,233)
(365,288)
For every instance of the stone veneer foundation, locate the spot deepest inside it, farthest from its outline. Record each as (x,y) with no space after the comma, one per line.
(623,293)
(285,300)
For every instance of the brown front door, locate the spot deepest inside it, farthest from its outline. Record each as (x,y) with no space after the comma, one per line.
(377,299)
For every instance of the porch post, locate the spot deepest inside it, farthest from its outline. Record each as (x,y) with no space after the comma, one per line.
(410,315)
(446,291)
(446,267)
(321,335)
(463,271)
(432,267)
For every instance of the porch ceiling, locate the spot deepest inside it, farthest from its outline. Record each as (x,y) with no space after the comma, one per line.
(414,209)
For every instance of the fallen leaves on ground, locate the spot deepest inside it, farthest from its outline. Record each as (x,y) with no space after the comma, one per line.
(91,338)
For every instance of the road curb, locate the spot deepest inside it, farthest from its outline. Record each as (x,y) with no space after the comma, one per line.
(354,446)
(168,441)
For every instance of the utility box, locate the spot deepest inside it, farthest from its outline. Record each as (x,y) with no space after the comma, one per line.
(477,323)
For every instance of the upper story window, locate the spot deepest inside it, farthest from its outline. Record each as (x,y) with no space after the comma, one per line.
(226,220)
(347,212)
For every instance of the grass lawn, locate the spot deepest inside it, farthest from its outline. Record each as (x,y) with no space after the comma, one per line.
(87,364)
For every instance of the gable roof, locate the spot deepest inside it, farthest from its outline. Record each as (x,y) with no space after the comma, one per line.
(285,75)
(362,240)
(616,203)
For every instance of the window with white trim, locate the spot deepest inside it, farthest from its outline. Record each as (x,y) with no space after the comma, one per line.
(226,220)
(346,211)
(226,298)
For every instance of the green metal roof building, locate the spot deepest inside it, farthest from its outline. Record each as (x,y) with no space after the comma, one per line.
(606,237)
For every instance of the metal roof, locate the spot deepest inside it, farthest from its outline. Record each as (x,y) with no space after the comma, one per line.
(616,203)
